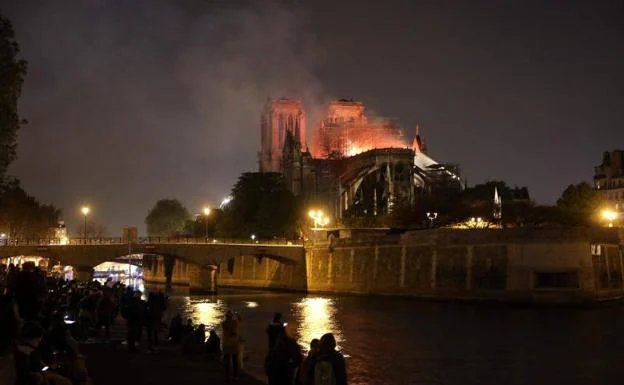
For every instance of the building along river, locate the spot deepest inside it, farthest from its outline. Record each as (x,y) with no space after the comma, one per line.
(403,341)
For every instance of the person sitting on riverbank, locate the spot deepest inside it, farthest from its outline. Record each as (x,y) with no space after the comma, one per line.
(230,340)
(193,343)
(328,367)
(213,345)
(175,329)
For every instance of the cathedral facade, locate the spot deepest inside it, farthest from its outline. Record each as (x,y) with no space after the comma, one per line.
(358,165)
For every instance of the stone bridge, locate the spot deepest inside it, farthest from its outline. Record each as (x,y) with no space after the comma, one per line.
(196,257)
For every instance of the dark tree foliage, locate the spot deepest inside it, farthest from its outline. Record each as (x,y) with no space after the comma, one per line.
(12,73)
(198,227)
(261,205)
(167,218)
(580,197)
(579,205)
(23,217)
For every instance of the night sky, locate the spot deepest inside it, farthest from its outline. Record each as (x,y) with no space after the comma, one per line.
(129,102)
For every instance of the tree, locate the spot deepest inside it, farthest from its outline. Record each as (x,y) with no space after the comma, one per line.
(12,73)
(580,197)
(167,218)
(579,205)
(198,227)
(261,205)
(23,217)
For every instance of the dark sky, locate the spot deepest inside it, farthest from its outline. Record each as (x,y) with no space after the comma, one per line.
(133,101)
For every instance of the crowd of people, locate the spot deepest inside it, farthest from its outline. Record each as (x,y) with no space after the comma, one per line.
(285,364)
(43,320)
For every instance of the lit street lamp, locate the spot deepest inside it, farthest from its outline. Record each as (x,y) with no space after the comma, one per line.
(609,216)
(206,214)
(85,211)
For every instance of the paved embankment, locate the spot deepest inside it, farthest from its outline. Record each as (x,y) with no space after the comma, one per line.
(112,363)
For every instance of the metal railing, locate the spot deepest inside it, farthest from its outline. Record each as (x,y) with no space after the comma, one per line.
(147,240)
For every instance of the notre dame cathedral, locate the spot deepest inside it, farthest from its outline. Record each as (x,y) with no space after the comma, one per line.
(356,165)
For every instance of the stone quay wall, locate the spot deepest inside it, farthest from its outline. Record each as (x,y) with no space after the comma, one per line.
(560,265)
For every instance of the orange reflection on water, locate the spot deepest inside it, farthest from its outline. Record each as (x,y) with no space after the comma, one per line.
(317,316)
(205,312)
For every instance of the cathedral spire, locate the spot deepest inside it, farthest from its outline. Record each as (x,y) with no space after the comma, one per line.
(418,145)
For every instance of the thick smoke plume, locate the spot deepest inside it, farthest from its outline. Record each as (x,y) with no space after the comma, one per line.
(134,101)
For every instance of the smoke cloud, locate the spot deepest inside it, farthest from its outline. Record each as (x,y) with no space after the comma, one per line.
(130,102)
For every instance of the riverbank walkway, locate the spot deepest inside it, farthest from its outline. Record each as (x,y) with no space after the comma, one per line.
(112,363)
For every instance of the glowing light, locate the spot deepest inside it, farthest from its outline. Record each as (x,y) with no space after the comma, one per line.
(251,304)
(320,219)
(609,216)
(3,235)
(206,211)
(226,201)
(63,241)
(85,210)
(317,317)
(253,237)
(214,241)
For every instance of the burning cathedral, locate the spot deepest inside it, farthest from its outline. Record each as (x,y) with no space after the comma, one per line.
(356,164)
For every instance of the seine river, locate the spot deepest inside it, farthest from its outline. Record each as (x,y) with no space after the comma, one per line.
(396,341)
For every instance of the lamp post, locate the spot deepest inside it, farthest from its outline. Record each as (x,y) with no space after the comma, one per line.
(85,211)
(206,214)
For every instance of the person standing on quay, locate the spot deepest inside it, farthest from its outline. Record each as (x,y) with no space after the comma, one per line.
(283,360)
(230,339)
(328,367)
(274,329)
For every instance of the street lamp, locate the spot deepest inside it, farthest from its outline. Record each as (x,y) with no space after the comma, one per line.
(253,237)
(609,216)
(85,211)
(206,214)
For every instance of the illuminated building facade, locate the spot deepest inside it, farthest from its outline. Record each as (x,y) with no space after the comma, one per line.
(358,166)
(609,179)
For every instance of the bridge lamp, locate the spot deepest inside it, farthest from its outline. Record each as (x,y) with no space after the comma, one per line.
(609,216)
(206,214)
(85,211)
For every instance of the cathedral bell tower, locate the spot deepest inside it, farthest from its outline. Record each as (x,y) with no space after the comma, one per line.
(279,117)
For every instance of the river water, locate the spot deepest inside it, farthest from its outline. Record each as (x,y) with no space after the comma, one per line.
(402,341)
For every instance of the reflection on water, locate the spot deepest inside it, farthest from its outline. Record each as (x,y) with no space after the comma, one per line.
(207,312)
(317,316)
(396,341)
